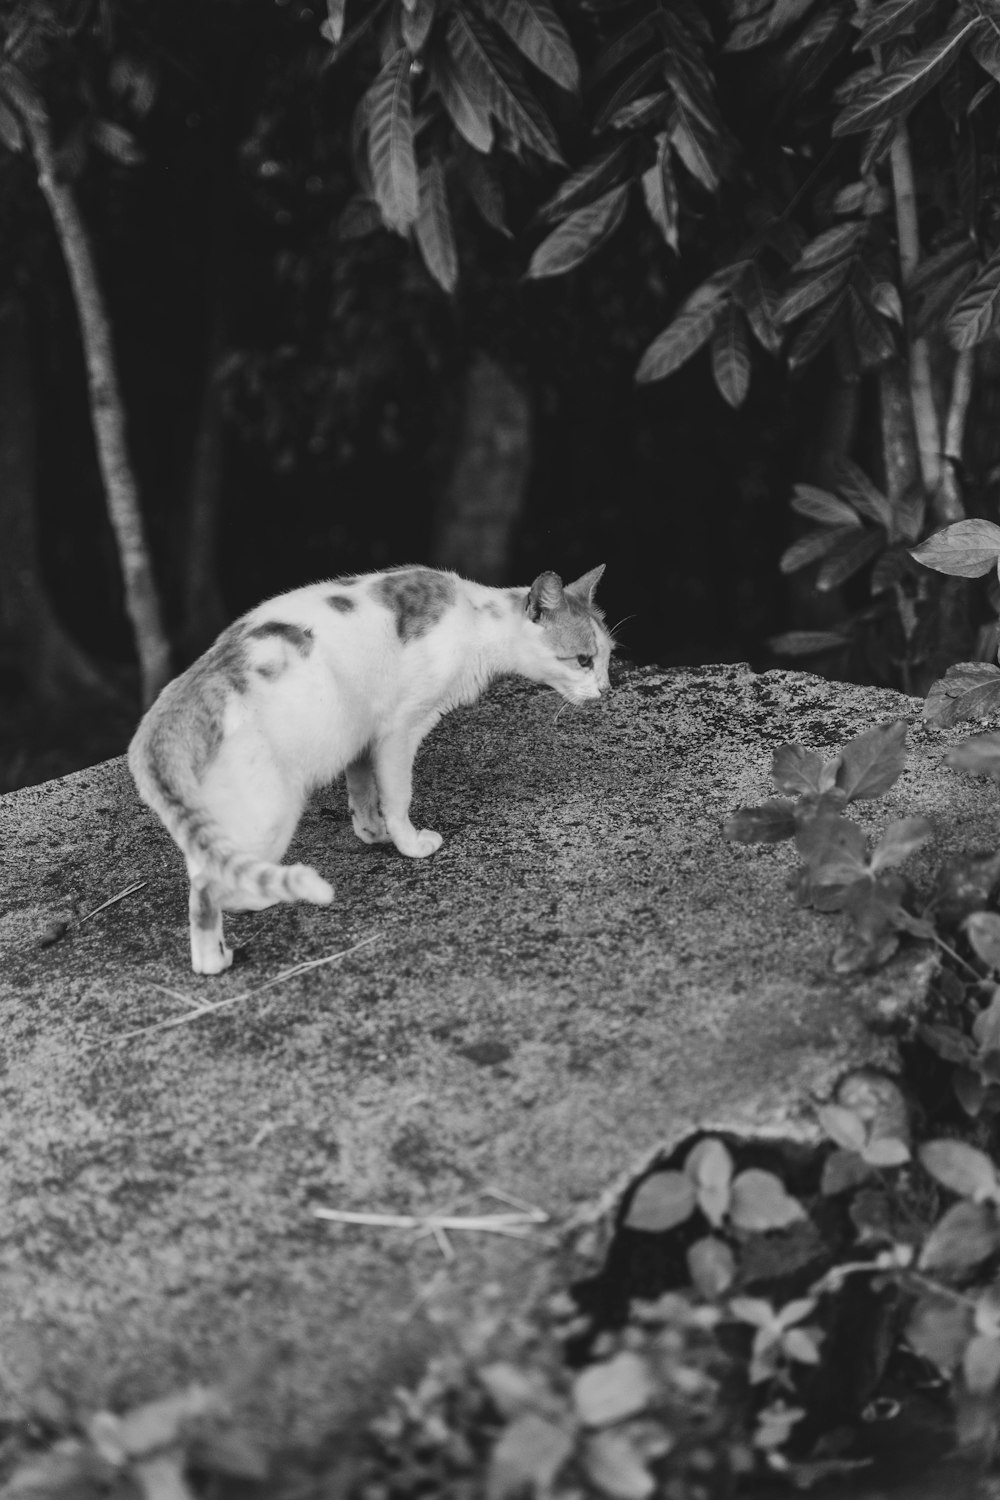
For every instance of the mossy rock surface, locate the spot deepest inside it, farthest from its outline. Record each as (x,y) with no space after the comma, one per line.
(583,974)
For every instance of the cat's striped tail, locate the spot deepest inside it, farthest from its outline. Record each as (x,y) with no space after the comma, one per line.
(167,784)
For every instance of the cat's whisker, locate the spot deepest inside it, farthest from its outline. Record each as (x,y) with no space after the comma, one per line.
(623,621)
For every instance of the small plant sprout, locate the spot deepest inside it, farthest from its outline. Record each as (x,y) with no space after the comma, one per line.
(839,872)
(778,1341)
(861,1151)
(752,1201)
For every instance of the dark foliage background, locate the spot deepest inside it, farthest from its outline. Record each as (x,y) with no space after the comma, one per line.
(298,380)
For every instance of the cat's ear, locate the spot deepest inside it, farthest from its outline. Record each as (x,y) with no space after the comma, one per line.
(545,593)
(584,587)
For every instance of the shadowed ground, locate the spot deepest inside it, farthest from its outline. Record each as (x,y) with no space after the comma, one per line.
(584,972)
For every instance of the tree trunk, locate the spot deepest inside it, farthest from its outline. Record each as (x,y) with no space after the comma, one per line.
(141,597)
(484,496)
(57,673)
(203,614)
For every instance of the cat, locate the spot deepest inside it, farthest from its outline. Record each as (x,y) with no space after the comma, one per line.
(344,676)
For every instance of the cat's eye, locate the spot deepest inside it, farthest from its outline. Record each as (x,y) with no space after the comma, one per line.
(585,661)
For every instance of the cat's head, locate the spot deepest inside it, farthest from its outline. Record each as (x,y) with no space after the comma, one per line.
(565,643)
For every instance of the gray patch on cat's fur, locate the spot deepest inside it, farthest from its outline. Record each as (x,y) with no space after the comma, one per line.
(346,583)
(296,635)
(489,607)
(204,911)
(417,597)
(341,602)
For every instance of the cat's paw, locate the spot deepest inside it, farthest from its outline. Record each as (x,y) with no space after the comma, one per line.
(419,843)
(211,957)
(370,828)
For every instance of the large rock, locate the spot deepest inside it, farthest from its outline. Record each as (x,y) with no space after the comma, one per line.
(583,974)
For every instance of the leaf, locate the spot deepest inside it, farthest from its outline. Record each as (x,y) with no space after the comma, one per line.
(538,33)
(417,23)
(711,1266)
(983,930)
(759,300)
(773,821)
(527,1457)
(963,1238)
(814,545)
(579,235)
(833,849)
(901,839)
(873,761)
(641,111)
(511,1389)
(630,88)
(678,342)
(505,95)
(816,334)
(891,19)
(831,246)
(467,109)
(613,1389)
(661,1201)
(981,1364)
(886,1151)
(890,97)
(800,1345)
(796,769)
(435,235)
(968,690)
(808,294)
(660,192)
(589,181)
(636,37)
(976,313)
(334,28)
(731,357)
(843,1171)
(843,1126)
(760,1202)
(980,754)
(117,142)
(872,339)
(939,1330)
(820,505)
(390,144)
(985,48)
(710,1167)
(614,1464)
(695,146)
(753,1310)
(962,1168)
(484,190)
(857,489)
(848,558)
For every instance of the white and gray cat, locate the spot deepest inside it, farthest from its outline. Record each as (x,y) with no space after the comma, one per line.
(344,676)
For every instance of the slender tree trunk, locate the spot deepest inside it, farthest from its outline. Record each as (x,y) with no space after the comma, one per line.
(484,496)
(141,597)
(926,426)
(57,672)
(202,612)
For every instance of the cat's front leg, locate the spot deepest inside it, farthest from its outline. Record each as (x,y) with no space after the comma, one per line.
(394,776)
(209,954)
(362,798)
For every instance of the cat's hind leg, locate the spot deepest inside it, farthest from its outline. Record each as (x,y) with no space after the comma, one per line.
(209,954)
(362,798)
